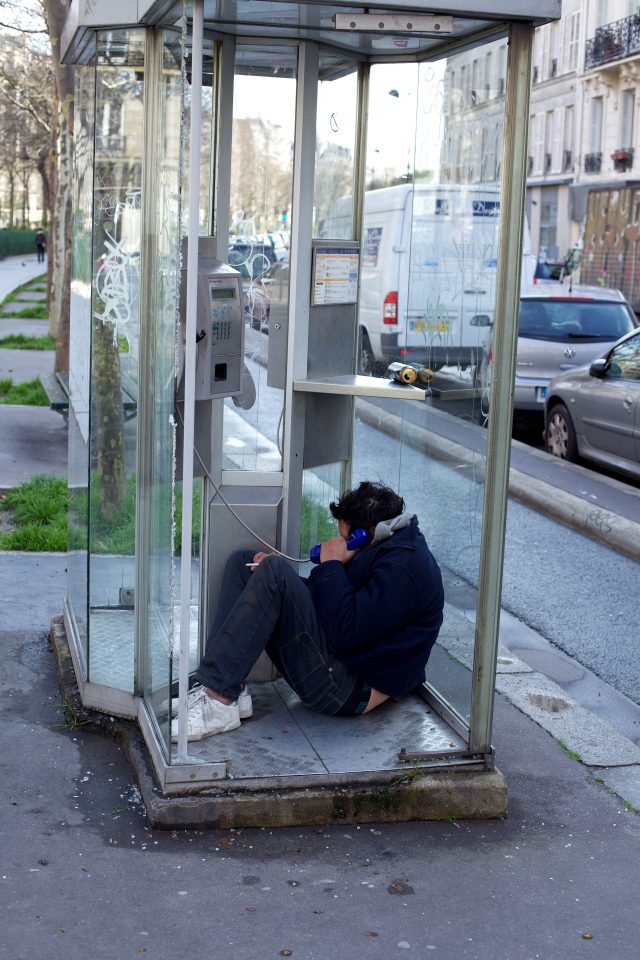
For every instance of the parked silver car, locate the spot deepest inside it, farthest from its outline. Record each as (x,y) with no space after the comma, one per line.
(594,412)
(559,328)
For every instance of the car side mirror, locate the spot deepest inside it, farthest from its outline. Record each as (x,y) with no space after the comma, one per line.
(480,320)
(598,367)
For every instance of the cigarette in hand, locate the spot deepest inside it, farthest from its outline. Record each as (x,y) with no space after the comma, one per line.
(252,564)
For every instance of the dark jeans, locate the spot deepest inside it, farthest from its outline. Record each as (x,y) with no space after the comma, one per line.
(40,251)
(271,609)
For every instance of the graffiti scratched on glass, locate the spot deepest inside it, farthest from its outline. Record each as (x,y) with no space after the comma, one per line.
(118,276)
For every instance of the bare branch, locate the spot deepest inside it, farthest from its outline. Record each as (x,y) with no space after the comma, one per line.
(29,30)
(27,108)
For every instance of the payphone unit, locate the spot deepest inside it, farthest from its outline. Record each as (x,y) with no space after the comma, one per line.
(220,330)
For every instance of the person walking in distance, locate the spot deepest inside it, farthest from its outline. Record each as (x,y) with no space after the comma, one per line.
(41,244)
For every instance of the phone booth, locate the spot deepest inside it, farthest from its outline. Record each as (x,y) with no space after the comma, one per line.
(297,258)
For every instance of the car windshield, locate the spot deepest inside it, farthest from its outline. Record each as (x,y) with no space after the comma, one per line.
(573,319)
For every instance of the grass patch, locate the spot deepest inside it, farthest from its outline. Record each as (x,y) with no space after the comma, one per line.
(30,394)
(38,508)
(18,341)
(117,534)
(316,523)
(71,718)
(570,753)
(38,511)
(29,313)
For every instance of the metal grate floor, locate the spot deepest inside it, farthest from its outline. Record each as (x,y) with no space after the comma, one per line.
(285,739)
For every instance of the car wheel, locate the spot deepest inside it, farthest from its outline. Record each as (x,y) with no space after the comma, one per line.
(560,438)
(366,361)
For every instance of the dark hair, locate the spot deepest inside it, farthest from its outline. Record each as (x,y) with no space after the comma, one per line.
(367,505)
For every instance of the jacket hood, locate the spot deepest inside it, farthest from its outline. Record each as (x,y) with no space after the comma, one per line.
(386,528)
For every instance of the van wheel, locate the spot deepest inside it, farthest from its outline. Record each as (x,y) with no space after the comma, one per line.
(560,435)
(367,363)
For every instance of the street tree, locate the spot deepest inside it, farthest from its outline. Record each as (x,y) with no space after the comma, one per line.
(37,91)
(55,12)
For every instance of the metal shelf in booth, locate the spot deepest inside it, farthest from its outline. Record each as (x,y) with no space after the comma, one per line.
(359,386)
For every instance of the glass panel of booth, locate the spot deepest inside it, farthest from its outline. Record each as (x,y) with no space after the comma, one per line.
(205,226)
(337,115)
(80,358)
(430,240)
(115,328)
(260,211)
(163,501)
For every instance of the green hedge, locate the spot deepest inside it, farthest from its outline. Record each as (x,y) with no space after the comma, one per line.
(15,242)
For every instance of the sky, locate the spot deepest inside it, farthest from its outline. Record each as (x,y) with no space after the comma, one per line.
(401,95)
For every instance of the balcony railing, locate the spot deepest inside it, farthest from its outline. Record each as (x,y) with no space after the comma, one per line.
(592,162)
(622,159)
(547,162)
(567,161)
(615,41)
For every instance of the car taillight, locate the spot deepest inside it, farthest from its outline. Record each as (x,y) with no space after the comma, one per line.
(390,308)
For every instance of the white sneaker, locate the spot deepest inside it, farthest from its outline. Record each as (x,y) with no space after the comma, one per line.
(245,704)
(206,717)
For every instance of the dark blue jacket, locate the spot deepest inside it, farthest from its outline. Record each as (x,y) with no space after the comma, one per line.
(382,610)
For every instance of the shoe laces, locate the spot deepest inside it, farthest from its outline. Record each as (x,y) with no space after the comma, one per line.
(194,705)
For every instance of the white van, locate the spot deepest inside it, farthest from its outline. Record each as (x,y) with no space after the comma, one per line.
(428,267)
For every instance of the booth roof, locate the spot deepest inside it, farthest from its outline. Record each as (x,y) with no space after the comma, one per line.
(286,20)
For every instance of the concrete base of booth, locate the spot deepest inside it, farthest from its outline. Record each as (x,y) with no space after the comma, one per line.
(375,796)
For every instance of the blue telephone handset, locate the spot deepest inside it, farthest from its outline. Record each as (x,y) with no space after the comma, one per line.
(359,538)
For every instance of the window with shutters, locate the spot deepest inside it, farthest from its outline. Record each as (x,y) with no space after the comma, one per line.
(595,125)
(573,40)
(567,139)
(538,144)
(548,141)
(602,13)
(627,110)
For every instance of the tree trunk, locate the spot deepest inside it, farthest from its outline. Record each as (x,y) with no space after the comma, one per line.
(59,245)
(105,371)
(12,194)
(109,428)
(43,170)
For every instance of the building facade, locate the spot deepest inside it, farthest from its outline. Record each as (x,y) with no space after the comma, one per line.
(583,117)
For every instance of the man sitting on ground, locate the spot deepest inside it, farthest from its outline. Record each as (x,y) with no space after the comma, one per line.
(358,631)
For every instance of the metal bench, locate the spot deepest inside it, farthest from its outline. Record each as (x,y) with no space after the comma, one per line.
(56,387)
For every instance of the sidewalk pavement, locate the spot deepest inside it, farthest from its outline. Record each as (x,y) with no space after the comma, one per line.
(14,271)
(32,439)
